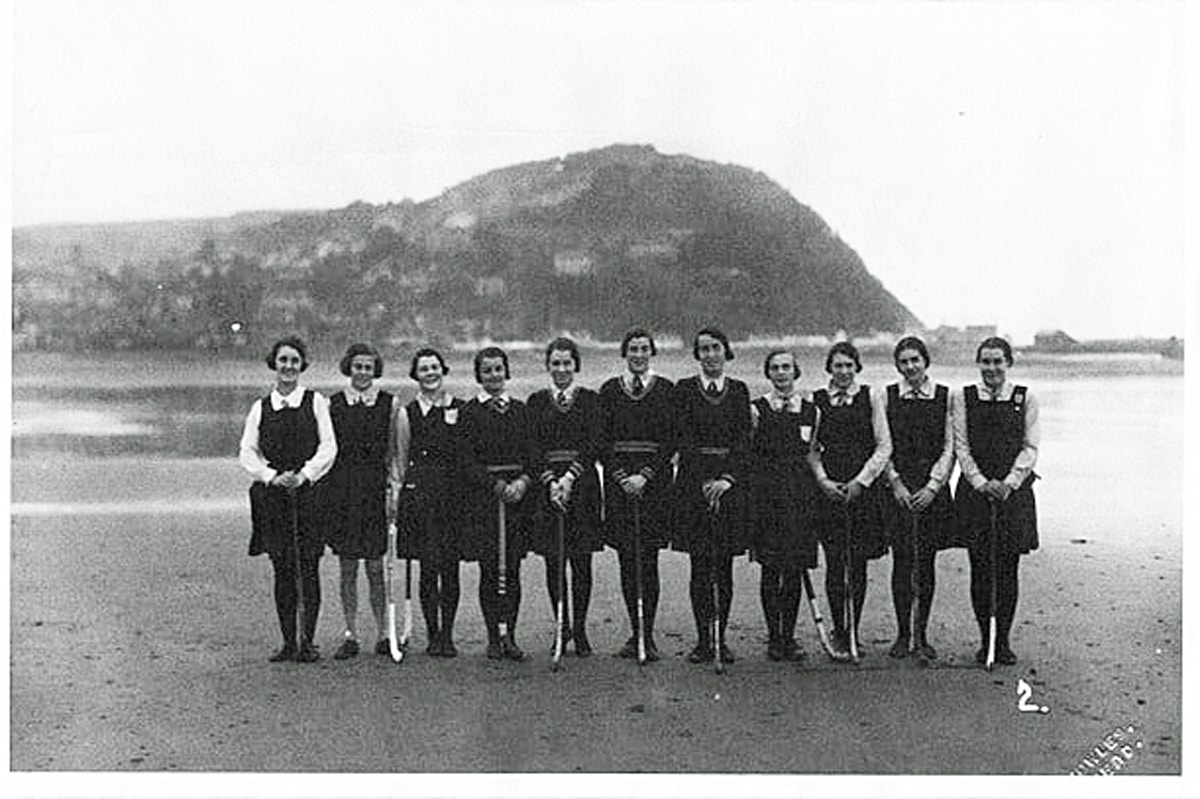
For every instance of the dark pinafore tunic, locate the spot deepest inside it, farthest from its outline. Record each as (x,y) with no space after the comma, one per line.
(354,493)
(638,437)
(918,429)
(784,487)
(497,445)
(568,438)
(287,438)
(713,439)
(430,518)
(847,438)
(996,434)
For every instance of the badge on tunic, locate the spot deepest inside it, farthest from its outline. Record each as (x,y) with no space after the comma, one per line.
(451,416)
(806,433)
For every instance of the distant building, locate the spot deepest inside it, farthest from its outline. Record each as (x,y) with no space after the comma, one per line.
(489,287)
(959,337)
(573,263)
(1054,341)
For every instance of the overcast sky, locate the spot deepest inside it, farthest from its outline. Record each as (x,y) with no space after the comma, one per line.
(1012,163)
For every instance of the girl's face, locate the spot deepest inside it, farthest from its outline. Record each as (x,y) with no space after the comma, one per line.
(711,354)
(781,370)
(637,355)
(842,371)
(562,368)
(287,368)
(491,375)
(910,364)
(993,367)
(362,371)
(429,373)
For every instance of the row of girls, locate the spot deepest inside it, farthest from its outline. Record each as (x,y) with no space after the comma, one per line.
(696,465)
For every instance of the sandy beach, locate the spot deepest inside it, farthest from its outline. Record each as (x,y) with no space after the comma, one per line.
(139,643)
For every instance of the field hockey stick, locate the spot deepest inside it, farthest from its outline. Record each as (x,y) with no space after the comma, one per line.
(502,571)
(914,581)
(294,506)
(851,632)
(991,649)
(822,633)
(718,661)
(393,644)
(406,633)
(637,557)
(556,659)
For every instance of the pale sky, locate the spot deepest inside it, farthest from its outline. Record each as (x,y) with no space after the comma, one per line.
(1009,163)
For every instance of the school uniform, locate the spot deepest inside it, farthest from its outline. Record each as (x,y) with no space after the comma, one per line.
(498,445)
(853,444)
(922,433)
(784,540)
(713,430)
(353,496)
(430,523)
(996,437)
(284,434)
(638,438)
(566,427)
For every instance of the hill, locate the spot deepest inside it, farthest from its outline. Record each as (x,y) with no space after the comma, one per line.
(593,242)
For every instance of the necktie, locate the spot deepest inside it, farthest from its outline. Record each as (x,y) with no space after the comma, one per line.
(712,389)
(638,385)
(562,399)
(841,398)
(500,404)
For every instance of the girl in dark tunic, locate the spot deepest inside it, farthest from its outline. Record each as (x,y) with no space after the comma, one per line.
(712,486)
(288,445)
(637,443)
(500,457)
(566,427)
(918,414)
(996,439)
(354,495)
(784,541)
(853,447)
(423,480)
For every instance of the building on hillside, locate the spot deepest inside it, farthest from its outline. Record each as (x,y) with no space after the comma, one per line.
(573,263)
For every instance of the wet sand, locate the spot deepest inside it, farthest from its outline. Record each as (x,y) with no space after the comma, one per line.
(139,644)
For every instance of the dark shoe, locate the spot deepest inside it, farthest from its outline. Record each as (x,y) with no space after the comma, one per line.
(284,653)
(899,649)
(924,650)
(434,648)
(495,651)
(382,647)
(583,647)
(1005,656)
(307,654)
(347,650)
(839,642)
(702,653)
(448,649)
(727,655)
(652,655)
(792,651)
(981,656)
(775,650)
(511,650)
(629,651)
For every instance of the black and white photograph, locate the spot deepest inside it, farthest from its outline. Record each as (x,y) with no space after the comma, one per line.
(579,398)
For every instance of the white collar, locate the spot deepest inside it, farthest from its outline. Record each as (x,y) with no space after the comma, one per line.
(368,397)
(924,391)
(777,401)
(646,379)
(706,381)
(850,392)
(440,400)
(291,400)
(569,391)
(1001,394)
(484,397)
